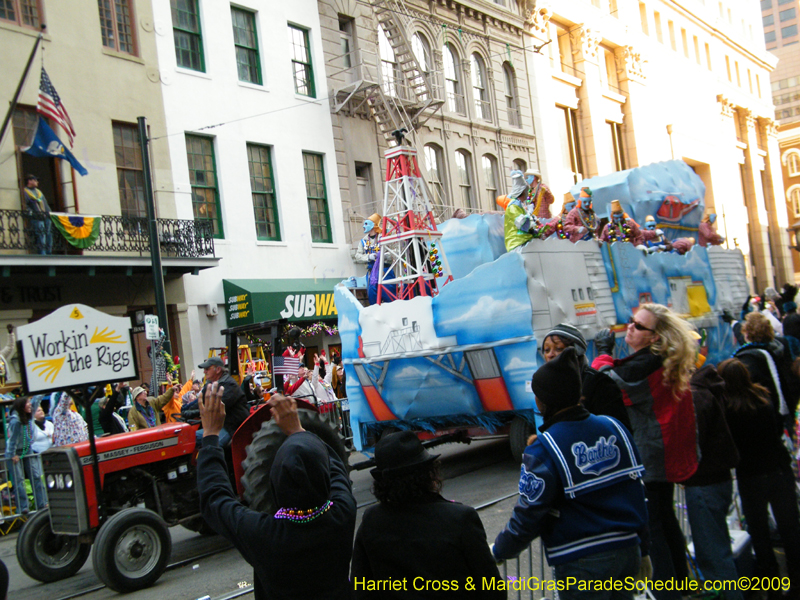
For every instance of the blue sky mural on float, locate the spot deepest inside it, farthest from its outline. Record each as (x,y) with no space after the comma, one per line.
(471,242)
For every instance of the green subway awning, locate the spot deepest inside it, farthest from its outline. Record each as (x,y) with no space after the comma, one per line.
(255,300)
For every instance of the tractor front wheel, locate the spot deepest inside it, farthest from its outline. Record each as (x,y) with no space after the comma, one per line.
(47,556)
(131,550)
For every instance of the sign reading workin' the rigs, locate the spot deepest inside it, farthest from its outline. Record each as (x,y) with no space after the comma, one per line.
(75,345)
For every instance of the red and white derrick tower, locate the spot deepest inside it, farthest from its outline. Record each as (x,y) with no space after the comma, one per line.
(416,264)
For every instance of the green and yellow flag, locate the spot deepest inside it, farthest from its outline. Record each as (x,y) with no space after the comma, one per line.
(81,231)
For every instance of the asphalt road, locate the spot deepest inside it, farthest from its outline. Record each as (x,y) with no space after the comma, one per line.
(476,475)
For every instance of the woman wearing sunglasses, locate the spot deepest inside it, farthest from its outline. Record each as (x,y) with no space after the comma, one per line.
(654,380)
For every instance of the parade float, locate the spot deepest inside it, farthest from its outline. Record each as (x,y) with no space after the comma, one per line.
(452,347)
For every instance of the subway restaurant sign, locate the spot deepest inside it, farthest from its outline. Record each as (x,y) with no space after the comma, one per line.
(73,346)
(255,300)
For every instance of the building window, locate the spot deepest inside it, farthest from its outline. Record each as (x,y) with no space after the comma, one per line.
(685,42)
(769,36)
(463,167)
(768,20)
(262,187)
(643,18)
(519,165)
(728,67)
(130,174)
(766,4)
(203,178)
(422,52)
(452,80)
(566,63)
(21,12)
(366,201)
(434,165)
(489,164)
(570,143)
(617,146)
(708,57)
(657,19)
(302,68)
(696,49)
(672,42)
(347,26)
(116,25)
(317,198)
(782,2)
(186,31)
(245,41)
(794,198)
(611,77)
(793,164)
(512,106)
(789,31)
(483,110)
(390,73)
(26,121)
(758,85)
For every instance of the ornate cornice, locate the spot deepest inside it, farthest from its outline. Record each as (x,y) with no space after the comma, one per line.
(585,43)
(726,106)
(630,64)
(537,18)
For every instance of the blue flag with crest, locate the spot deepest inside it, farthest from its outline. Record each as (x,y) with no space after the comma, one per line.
(46,145)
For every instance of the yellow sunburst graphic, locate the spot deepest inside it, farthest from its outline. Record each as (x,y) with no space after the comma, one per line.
(75,314)
(49,369)
(106,337)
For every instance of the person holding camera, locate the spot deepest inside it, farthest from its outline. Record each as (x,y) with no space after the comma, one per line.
(110,420)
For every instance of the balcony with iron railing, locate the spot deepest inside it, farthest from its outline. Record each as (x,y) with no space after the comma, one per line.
(186,245)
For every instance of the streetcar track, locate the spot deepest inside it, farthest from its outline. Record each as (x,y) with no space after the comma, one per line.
(169,567)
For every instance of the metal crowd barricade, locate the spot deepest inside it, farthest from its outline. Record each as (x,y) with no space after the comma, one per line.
(338,413)
(11,510)
(531,570)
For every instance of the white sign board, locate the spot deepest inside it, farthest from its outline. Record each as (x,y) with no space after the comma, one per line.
(151,327)
(76,345)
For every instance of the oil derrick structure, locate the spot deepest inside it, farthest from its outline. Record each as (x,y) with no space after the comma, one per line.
(414,263)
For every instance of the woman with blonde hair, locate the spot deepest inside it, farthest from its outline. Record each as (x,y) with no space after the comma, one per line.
(769,362)
(654,380)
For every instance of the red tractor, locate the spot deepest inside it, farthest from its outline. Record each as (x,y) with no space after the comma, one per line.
(147,484)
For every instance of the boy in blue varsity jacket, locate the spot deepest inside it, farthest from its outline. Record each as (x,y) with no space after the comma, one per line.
(580,490)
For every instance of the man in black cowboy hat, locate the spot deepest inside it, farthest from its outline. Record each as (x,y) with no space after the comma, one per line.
(425,544)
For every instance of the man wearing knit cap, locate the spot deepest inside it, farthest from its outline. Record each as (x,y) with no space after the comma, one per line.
(600,395)
(316,508)
(580,489)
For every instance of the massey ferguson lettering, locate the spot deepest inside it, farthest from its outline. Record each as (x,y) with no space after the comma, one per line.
(122,452)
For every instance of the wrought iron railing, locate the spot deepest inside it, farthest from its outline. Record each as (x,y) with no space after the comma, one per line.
(125,235)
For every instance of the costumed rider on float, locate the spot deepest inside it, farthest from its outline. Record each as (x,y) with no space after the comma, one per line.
(520,224)
(658,243)
(367,250)
(367,253)
(706,234)
(581,222)
(539,195)
(621,228)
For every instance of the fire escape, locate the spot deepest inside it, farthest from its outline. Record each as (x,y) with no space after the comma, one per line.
(399,94)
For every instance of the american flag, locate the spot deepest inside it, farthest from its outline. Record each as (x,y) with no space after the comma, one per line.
(285,365)
(50,105)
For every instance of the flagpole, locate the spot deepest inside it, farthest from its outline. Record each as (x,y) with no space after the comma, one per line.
(13,106)
(155,246)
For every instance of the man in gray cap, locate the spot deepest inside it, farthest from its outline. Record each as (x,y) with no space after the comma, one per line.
(235,402)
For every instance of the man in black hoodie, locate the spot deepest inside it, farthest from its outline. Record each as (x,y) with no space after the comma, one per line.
(318,510)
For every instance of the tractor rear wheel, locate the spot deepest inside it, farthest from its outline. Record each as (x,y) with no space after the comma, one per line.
(132,549)
(261,454)
(47,556)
